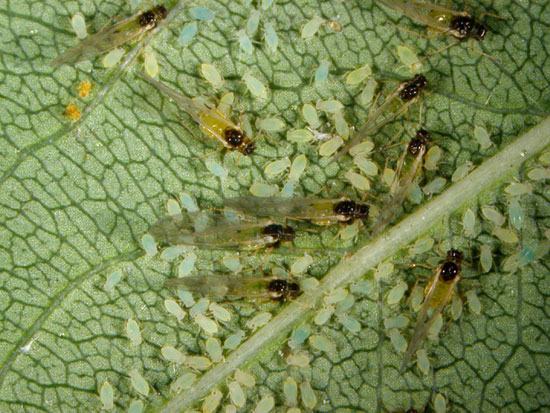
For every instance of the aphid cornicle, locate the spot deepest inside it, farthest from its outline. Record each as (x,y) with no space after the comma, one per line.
(407,170)
(319,211)
(238,287)
(129,30)
(212,122)
(458,24)
(408,92)
(438,294)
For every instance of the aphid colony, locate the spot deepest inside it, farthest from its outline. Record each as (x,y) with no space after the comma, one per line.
(271,218)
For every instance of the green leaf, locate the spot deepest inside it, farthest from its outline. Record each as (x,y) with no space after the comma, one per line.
(76,198)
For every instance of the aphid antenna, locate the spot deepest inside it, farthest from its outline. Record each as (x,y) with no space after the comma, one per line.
(424,36)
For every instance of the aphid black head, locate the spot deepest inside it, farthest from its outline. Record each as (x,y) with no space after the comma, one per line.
(233,137)
(282,290)
(480,30)
(279,233)
(449,271)
(152,16)
(413,87)
(455,256)
(419,142)
(464,25)
(351,210)
(249,149)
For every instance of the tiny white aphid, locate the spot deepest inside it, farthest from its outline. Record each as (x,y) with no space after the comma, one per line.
(336,295)
(321,74)
(265,405)
(349,231)
(236,394)
(469,221)
(421,246)
(133,332)
(301,264)
(173,208)
(462,171)
(539,174)
(308,395)
(225,104)
(136,406)
(261,189)
(518,189)
(398,322)
(456,307)
(214,349)
(277,167)
(202,14)
(297,168)
(383,271)
(113,57)
(324,315)
(482,137)
(515,214)
(212,401)
(300,359)
(270,124)
(493,215)
(255,86)
(187,265)
(409,59)
(440,403)
(415,193)
(486,258)
(149,244)
(340,124)
(396,293)
(220,313)
(186,298)
(271,38)
(309,284)
(356,180)
(216,169)
(422,361)
(253,22)
(505,235)
(299,335)
(187,34)
(245,44)
(234,340)
(432,157)
(208,325)
(232,263)
(174,308)
(183,382)
(367,94)
(138,382)
(310,115)
(329,106)
(212,75)
(299,135)
(473,302)
(358,76)
(106,395)
(345,304)
(350,323)
(266,4)
(435,328)
(545,158)
(246,379)
(435,186)
(322,343)
(397,340)
(79,25)
(112,280)
(290,390)
(188,202)
(198,362)
(259,320)
(200,307)
(172,354)
(417,296)
(311,27)
(366,166)
(150,63)
(172,253)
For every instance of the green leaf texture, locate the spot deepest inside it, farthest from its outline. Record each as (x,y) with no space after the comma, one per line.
(76,198)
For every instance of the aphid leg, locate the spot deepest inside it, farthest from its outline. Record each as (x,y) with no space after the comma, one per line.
(424,36)
(473,47)
(496,16)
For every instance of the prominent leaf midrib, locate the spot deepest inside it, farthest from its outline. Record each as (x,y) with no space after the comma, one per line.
(488,174)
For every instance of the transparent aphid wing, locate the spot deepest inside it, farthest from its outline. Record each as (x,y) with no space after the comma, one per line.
(375,120)
(246,235)
(102,42)
(399,190)
(294,208)
(431,15)
(211,121)
(223,286)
